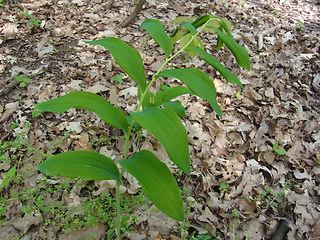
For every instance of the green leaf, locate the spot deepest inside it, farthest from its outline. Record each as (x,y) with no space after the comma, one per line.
(165,125)
(219,40)
(127,57)
(157,182)
(195,43)
(214,23)
(8,177)
(201,20)
(216,65)
(11,172)
(177,107)
(198,82)
(189,27)
(155,29)
(84,164)
(226,26)
(281,151)
(118,78)
(167,93)
(21,79)
(177,35)
(179,19)
(148,100)
(239,52)
(278,150)
(88,101)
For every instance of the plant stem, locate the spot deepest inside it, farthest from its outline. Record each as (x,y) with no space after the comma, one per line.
(129,132)
(118,209)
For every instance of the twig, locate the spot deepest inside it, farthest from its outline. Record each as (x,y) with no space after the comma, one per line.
(133,15)
(8,88)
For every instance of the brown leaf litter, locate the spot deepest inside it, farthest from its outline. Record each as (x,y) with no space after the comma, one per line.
(279,102)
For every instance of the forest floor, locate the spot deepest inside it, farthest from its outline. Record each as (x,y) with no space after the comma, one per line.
(239,186)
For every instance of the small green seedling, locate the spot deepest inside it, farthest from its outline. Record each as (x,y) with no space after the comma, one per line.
(278,150)
(235,222)
(56,50)
(33,20)
(8,177)
(1,4)
(238,95)
(201,237)
(156,112)
(22,80)
(300,24)
(118,78)
(224,186)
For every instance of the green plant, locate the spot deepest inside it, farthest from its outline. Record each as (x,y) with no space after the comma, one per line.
(235,222)
(238,95)
(22,80)
(1,4)
(268,198)
(300,24)
(118,78)
(278,150)
(9,175)
(183,228)
(56,50)
(33,20)
(224,186)
(201,237)
(155,112)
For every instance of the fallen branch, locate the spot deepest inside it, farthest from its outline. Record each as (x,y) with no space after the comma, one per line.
(8,88)
(133,15)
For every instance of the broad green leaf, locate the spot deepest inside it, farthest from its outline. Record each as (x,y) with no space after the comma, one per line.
(167,93)
(195,43)
(239,52)
(88,101)
(214,23)
(198,82)
(157,182)
(189,27)
(219,40)
(5,182)
(84,164)
(176,37)
(201,20)
(165,125)
(177,107)
(8,177)
(148,101)
(11,172)
(179,19)
(226,26)
(127,57)
(155,29)
(216,65)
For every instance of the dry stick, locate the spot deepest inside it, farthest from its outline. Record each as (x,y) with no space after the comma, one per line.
(133,15)
(8,88)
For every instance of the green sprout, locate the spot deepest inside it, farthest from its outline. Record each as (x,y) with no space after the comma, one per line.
(22,80)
